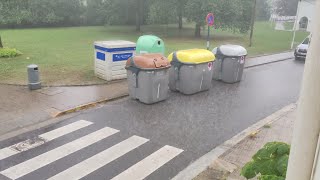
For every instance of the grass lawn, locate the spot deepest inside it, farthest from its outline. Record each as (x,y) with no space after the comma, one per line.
(288,25)
(65,55)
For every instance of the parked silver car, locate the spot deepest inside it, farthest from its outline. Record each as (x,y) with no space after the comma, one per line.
(302,49)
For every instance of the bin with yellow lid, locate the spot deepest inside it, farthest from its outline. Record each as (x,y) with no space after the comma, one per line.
(148,77)
(191,71)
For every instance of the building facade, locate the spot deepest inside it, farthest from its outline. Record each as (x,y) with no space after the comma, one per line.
(305,15)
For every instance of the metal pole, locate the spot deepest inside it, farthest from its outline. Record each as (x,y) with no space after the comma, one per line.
(295,25)
(307,125)
(208,38)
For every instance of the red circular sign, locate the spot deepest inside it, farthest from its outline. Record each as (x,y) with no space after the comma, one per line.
(210,19)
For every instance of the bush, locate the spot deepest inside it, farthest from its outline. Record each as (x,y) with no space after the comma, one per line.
(9,52)
(269,163)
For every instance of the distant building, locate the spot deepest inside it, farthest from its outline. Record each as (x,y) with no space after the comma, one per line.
(305,15)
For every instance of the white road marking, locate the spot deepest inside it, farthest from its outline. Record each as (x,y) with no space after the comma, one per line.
(99,160)
(44,159)
(150,164)
(49,136)
(54,134)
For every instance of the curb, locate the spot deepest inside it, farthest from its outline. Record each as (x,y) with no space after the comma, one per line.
(200,165)
(269,54)
(261,64)
(89,105)
(77,85)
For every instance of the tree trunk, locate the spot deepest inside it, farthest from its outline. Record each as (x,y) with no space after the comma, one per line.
(138,16)
(198,30)
(180,15)
(253,18)
(1,46)
(180,21)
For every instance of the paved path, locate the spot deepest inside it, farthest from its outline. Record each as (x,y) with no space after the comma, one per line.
(128,139)
(20,108)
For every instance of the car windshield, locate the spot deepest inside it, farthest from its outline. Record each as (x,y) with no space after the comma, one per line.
(306,41)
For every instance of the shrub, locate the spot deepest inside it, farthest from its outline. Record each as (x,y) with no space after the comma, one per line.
(9,52)
(269,163)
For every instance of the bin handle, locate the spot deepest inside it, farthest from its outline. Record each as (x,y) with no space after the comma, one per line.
(161,63)
(134,70)
(221,57)
(177,65)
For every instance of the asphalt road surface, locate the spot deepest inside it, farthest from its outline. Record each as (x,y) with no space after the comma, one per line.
(129,140)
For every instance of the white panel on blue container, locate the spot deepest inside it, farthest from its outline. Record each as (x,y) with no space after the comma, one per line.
(110,58)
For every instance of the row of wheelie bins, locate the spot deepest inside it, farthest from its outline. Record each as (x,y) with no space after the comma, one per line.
(150,74)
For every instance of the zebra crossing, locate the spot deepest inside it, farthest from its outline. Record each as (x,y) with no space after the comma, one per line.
(140,170)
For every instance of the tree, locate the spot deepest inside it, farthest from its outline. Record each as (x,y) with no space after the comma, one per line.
(253,18)
(263,10)
(139,6)
(232,15)
(95,12)
(197,11)
(1,45)
(286,7)
(180,11)
(156,13)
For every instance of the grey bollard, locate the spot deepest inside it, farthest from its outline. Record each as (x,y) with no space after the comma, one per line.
(33,77)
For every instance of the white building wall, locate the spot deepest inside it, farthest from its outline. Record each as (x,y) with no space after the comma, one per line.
(307,9)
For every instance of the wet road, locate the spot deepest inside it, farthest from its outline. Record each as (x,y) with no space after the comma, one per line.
(138,134)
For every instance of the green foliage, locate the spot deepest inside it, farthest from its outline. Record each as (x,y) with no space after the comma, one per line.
(95,12)
(270,162)
(9,53)
(197,10)
(271,177)
(263,10)
(286,7)
(232,15)
(21,13)
(161,12)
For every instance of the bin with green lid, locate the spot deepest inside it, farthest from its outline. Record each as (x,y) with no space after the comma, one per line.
(150,44)
(148,77)
(191,71)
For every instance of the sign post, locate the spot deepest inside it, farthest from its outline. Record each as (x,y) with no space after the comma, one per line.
(210,22)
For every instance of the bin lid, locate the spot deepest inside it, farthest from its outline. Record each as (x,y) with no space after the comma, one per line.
(115,44)
(148,61)
(231,50)
(193,56)
(150,44)
(149,38)
(32,66)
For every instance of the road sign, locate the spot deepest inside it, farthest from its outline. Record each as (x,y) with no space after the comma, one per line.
(210,19)
(210,22)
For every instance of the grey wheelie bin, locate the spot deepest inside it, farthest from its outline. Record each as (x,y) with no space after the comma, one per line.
(229,64)
(191,70)
(148,77)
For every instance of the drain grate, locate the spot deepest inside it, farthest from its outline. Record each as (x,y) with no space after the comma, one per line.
(28,144)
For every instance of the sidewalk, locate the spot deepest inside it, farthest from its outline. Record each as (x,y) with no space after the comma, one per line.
(259,60)
(20,107)
(228,165)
